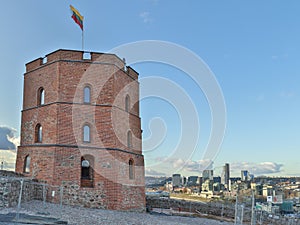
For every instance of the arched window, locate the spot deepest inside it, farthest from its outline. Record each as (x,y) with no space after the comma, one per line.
(87,94)
(85,169)
(26,168)
(38,133)
(86,133)
(87,174)
(131,169)
(41,96)
(129,139)
(127,103)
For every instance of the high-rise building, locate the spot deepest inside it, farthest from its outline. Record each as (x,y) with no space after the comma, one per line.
(207,175)
(225,175)
(176,180)
(81,129)
(244,175)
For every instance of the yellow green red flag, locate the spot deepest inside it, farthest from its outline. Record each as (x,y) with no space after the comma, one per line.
(77,17)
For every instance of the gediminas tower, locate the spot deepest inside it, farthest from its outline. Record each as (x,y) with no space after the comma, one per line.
(81,129)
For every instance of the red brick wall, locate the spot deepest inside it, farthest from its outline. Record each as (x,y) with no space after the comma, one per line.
(57,159)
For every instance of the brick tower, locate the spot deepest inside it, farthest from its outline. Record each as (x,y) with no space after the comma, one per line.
(81,129)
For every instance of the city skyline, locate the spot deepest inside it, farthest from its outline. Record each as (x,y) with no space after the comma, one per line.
(251,49)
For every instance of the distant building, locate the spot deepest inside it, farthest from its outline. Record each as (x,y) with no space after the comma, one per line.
(169,186)
(225,176)
(217,179)
(287,207)
(267,190)
(192,180)
(207,175)
(207,189)
(245,175)
(234,179)
(257,187)
(176,180)
(217,187)
(207,186)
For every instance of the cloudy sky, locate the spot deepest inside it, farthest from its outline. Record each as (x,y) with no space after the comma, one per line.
(251,48)
(9,141)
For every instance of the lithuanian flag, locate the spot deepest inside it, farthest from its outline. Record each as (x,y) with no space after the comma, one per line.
(77,17)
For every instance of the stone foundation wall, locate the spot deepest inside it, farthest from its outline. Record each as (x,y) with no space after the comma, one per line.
(195,207)
(118,196)
(86,197)
(10,190)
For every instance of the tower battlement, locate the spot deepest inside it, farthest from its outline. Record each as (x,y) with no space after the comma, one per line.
(81,56)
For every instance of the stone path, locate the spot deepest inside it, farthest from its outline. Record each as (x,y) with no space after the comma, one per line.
(85,216)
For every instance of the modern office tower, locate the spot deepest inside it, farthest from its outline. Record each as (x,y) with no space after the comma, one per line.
(225,175)
(176,180)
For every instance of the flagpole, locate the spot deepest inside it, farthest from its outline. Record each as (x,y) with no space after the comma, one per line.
(82,40)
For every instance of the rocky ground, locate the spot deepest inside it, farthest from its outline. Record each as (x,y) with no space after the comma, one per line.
(83,216)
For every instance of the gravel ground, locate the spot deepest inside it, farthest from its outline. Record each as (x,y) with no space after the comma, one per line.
(85,216)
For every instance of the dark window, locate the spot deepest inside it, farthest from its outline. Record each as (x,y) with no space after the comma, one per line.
(87,94)
(41,96)
(87,174)
(38,133)
(86,133)
(27,164)
(129,139)
(127,103)
(131,169)
(85,169)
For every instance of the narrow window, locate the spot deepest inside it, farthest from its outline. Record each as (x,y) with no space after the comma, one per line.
(85,169)
(87,94)
(38,133)
(86,134)
(127,103)
(41,96)
(129,139)
(87,174)
(27,164)
(131,169)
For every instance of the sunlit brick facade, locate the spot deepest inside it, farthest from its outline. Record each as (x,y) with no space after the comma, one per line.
(81,129)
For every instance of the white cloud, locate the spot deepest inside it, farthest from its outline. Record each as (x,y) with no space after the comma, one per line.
(186,167)
(151,172)
(8,159)
(192,166)
(8,139)
(257,168)
(14,140)
(146,17)
(8,144)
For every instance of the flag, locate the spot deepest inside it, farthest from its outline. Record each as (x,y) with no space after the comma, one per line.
(77,17)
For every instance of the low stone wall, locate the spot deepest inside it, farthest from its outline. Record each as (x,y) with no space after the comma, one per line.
(5,173)
(10,186)
(212,208)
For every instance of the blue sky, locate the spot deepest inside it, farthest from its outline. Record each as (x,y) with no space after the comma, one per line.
(252,47)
